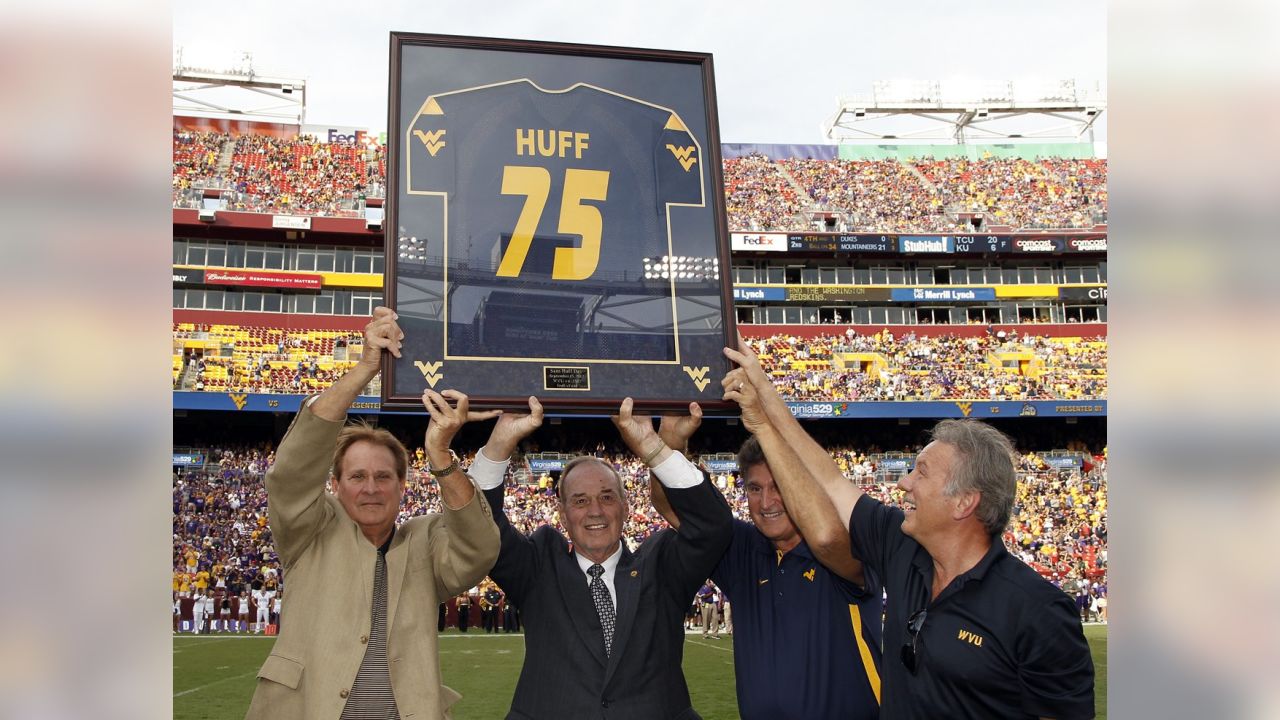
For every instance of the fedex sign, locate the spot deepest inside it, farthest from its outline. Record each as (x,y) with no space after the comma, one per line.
(355,138)
(338,134)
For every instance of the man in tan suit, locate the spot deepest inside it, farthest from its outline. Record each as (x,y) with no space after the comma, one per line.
(361,638)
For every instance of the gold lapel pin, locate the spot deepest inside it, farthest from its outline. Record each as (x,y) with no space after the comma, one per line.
(634,573)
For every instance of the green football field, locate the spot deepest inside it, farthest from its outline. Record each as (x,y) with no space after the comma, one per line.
(214,676)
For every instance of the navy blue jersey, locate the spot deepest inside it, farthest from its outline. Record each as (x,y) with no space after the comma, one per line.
(550,196)
(806,642)
(998,642)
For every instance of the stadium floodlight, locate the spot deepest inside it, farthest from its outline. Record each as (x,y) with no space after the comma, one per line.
(208,215)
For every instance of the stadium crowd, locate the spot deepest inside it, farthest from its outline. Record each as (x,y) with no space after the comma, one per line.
(1047,193)
(303,175)
(909,367)
(195,156)
(877,195)
(883,366)
(278,175)
(758,196)
(222,545)
(236,358)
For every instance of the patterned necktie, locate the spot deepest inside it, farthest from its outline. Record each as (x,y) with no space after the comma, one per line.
(604,604)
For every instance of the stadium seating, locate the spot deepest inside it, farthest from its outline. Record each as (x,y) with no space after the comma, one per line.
(940,367)
(870,367)
(1059,522)
(239,358)
(758,196)
(196,156)
(304,176)
(268,174)
(235,358)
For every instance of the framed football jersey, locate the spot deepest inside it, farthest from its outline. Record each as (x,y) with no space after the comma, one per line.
(555,226)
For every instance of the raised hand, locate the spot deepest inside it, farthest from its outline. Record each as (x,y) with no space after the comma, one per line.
(510,429)
(739,388)
(447,420)
(747,360)
(382,333)
(675,430)
(638,433)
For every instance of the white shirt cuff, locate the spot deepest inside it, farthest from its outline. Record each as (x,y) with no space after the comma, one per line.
(488,473)
(677,473)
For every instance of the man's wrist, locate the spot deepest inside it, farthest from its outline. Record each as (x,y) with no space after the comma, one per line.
(439,472)
(496,454)
(368,367)
(652,454)
(676,444)
(488,473)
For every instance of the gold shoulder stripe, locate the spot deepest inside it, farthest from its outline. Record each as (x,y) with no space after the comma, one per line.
(673,123)
(431,107)
(868,662)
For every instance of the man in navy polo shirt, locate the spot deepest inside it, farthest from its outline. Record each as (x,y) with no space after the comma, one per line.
(806,633)
(970,631)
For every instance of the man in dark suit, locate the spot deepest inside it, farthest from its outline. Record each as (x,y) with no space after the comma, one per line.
(604,633)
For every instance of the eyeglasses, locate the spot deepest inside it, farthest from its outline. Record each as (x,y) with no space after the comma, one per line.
(914,623)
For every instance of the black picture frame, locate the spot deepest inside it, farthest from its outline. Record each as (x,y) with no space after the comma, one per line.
(555,226)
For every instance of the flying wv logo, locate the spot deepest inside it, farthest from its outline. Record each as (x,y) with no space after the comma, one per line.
(699,376)
(808,574)
(684,155)
(239,399)
(965,408)
(429,371)
(432,140)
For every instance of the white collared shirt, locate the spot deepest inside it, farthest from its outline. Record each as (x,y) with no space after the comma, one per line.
(676,472)
(610,565)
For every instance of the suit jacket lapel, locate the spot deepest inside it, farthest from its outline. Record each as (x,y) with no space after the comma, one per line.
(626,583)
(578,604)
(397,562)
(364,559)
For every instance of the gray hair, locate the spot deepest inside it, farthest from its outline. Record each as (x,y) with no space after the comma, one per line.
(588,460)
(984,465)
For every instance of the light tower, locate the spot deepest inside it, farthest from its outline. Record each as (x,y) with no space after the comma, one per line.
(239,93)
(898,110)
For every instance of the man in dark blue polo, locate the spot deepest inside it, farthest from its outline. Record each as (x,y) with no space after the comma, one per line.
(970,631)
(806,640)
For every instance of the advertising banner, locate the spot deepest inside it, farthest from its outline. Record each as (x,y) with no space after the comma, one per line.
(721,466)
(545,465)
(759,242)
(748,293)
(258,278)
(188,276)
(1094,294)
(1097,244)
(926,244)
(936,294)
(1039,244)
(836,293)
(260,402)
(948,409)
